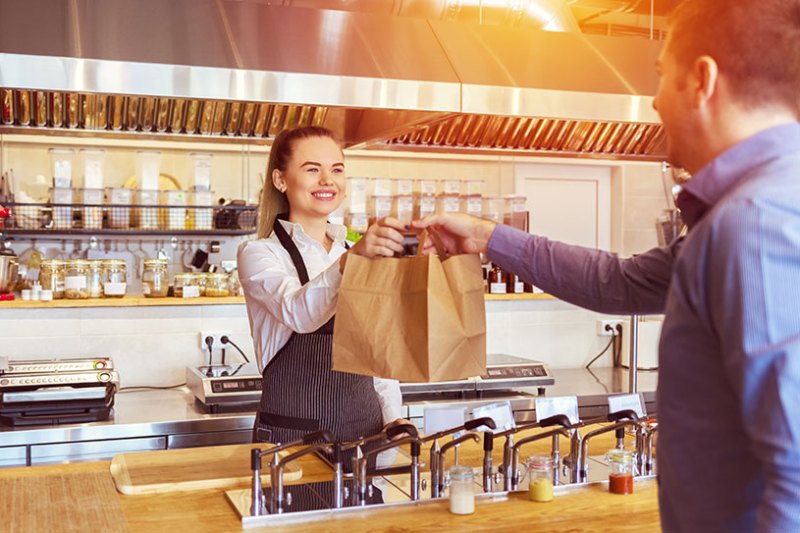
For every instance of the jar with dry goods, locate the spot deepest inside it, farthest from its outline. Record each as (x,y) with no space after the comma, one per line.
(217,284)
(95,278)
(155,279)
(115,280)
(76,279)
(51,277)
(186,285)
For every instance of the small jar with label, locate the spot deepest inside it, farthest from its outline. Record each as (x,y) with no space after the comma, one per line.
(620,476)
(155,279)
(462,489)
(540,478)
(76,279)
(115,282)
(95,279)
(217,284)
(51,277)
(497,281)
(186,285)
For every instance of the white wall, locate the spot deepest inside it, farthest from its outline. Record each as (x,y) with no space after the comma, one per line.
(151,345)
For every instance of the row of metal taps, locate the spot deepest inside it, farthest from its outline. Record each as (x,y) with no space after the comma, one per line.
(574,465)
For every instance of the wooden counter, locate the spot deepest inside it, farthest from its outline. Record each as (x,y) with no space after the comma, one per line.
(81,496)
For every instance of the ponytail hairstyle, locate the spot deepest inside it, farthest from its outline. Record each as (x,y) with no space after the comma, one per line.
(274,202)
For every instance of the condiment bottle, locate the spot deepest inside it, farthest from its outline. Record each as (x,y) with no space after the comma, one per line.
(462,490)
(497,281)
(620,477)
(540,472)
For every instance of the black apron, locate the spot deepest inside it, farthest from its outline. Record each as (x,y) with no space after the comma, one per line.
(301,392)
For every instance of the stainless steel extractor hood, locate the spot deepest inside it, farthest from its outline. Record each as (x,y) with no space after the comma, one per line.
(244,70)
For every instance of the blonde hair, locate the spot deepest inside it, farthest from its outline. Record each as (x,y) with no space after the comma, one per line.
(273,202)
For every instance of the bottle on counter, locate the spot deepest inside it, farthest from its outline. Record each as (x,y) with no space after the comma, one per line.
(497,281)
(620,477)
(115,278)
(95,278)
(155,280)
(513,284)
(462,490)
(540,484)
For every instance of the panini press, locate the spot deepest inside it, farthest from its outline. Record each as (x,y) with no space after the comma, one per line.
(56,391)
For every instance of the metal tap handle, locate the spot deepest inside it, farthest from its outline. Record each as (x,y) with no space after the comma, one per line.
(555,420)
(478,422)
(624,414)
(408,429)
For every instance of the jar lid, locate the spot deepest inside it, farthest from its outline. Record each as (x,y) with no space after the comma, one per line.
(114,263)
(53,263)
(185,276)
(216,276)
(461,472)
(78,262)
(619,456)
(155,261)
(543,462)
(95,263)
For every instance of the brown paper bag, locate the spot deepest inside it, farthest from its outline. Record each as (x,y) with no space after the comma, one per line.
(415,319)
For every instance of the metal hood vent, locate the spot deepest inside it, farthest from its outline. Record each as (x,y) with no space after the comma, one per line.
(243,70)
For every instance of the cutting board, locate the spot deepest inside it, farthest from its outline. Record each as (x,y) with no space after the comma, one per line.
(212,467)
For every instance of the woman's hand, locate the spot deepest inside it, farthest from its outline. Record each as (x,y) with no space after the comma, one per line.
(384,238)
(398,422)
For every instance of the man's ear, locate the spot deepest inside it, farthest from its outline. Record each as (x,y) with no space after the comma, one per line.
(278,181)
(705,80)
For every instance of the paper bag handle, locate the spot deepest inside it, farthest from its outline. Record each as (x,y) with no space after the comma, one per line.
(441,251)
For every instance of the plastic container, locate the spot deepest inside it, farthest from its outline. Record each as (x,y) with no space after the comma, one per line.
(357,194)
(381,187)
(216,285)
(381,207)
(174,217)
(403,209)
(404,187)
(76,279)
(452,187)
(62,214)
(61,160)
(186,285)
(516,212)
(472,205)
(540,478)
(155,279)
(115,278)
(474,187)
(358,222)
(147,217)
(462,490)
(119,217)
(494,208)
(200,218)
(148,169)
(426,187)
(93,167)
(620,476)
(93,210)
(201,163)
(424,205)
(51,276)
(448,203)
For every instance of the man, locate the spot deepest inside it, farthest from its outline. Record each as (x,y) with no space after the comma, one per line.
(729,382)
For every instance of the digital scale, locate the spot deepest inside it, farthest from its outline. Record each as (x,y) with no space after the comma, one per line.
(239,386)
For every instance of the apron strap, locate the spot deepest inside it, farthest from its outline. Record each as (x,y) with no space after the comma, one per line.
(290,246)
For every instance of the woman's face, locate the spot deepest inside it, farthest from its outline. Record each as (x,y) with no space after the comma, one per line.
(314,179)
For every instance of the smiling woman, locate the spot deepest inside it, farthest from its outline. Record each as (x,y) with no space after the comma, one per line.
(291,276)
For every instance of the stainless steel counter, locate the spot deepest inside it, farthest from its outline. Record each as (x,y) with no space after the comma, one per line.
(161,419)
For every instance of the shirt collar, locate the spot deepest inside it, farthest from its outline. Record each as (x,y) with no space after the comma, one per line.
(336,232)
(726,170)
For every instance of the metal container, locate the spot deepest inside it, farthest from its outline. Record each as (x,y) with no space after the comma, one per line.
(8,270)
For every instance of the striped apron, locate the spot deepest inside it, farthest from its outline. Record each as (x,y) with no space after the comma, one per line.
(301,392)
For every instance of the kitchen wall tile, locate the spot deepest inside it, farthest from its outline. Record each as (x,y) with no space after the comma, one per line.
(641,212)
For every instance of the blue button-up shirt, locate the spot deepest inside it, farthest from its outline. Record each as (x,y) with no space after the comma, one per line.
(729,355)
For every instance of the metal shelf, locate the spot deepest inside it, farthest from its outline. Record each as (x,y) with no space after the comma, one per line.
(57,233)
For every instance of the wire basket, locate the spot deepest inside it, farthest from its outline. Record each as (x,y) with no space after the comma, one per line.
(131,218)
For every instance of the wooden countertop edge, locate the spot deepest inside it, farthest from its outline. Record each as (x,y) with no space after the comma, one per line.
(141,301)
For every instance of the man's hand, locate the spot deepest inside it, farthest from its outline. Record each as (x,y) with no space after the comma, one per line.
(460,233)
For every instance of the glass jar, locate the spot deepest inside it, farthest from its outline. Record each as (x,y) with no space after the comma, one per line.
(76,279)
(51,277)
(186,285)
(497,281)
(462,489)
(217,284)
(200,279)
(95,279)
(115,280)
(620,474)
(155,280)
(540,478)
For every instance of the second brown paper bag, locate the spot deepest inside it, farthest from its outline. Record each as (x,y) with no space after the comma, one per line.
(414,319)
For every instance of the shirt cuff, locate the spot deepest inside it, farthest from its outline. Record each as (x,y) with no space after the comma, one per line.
(504,246)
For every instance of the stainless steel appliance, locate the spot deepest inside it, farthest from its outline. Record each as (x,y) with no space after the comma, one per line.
(57,391)
(229,387)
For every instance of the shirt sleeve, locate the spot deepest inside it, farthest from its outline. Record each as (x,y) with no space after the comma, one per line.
(590,278)
(754,255)
(390,398)
(266,281)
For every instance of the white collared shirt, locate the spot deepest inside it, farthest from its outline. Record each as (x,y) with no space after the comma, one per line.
(279,305)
